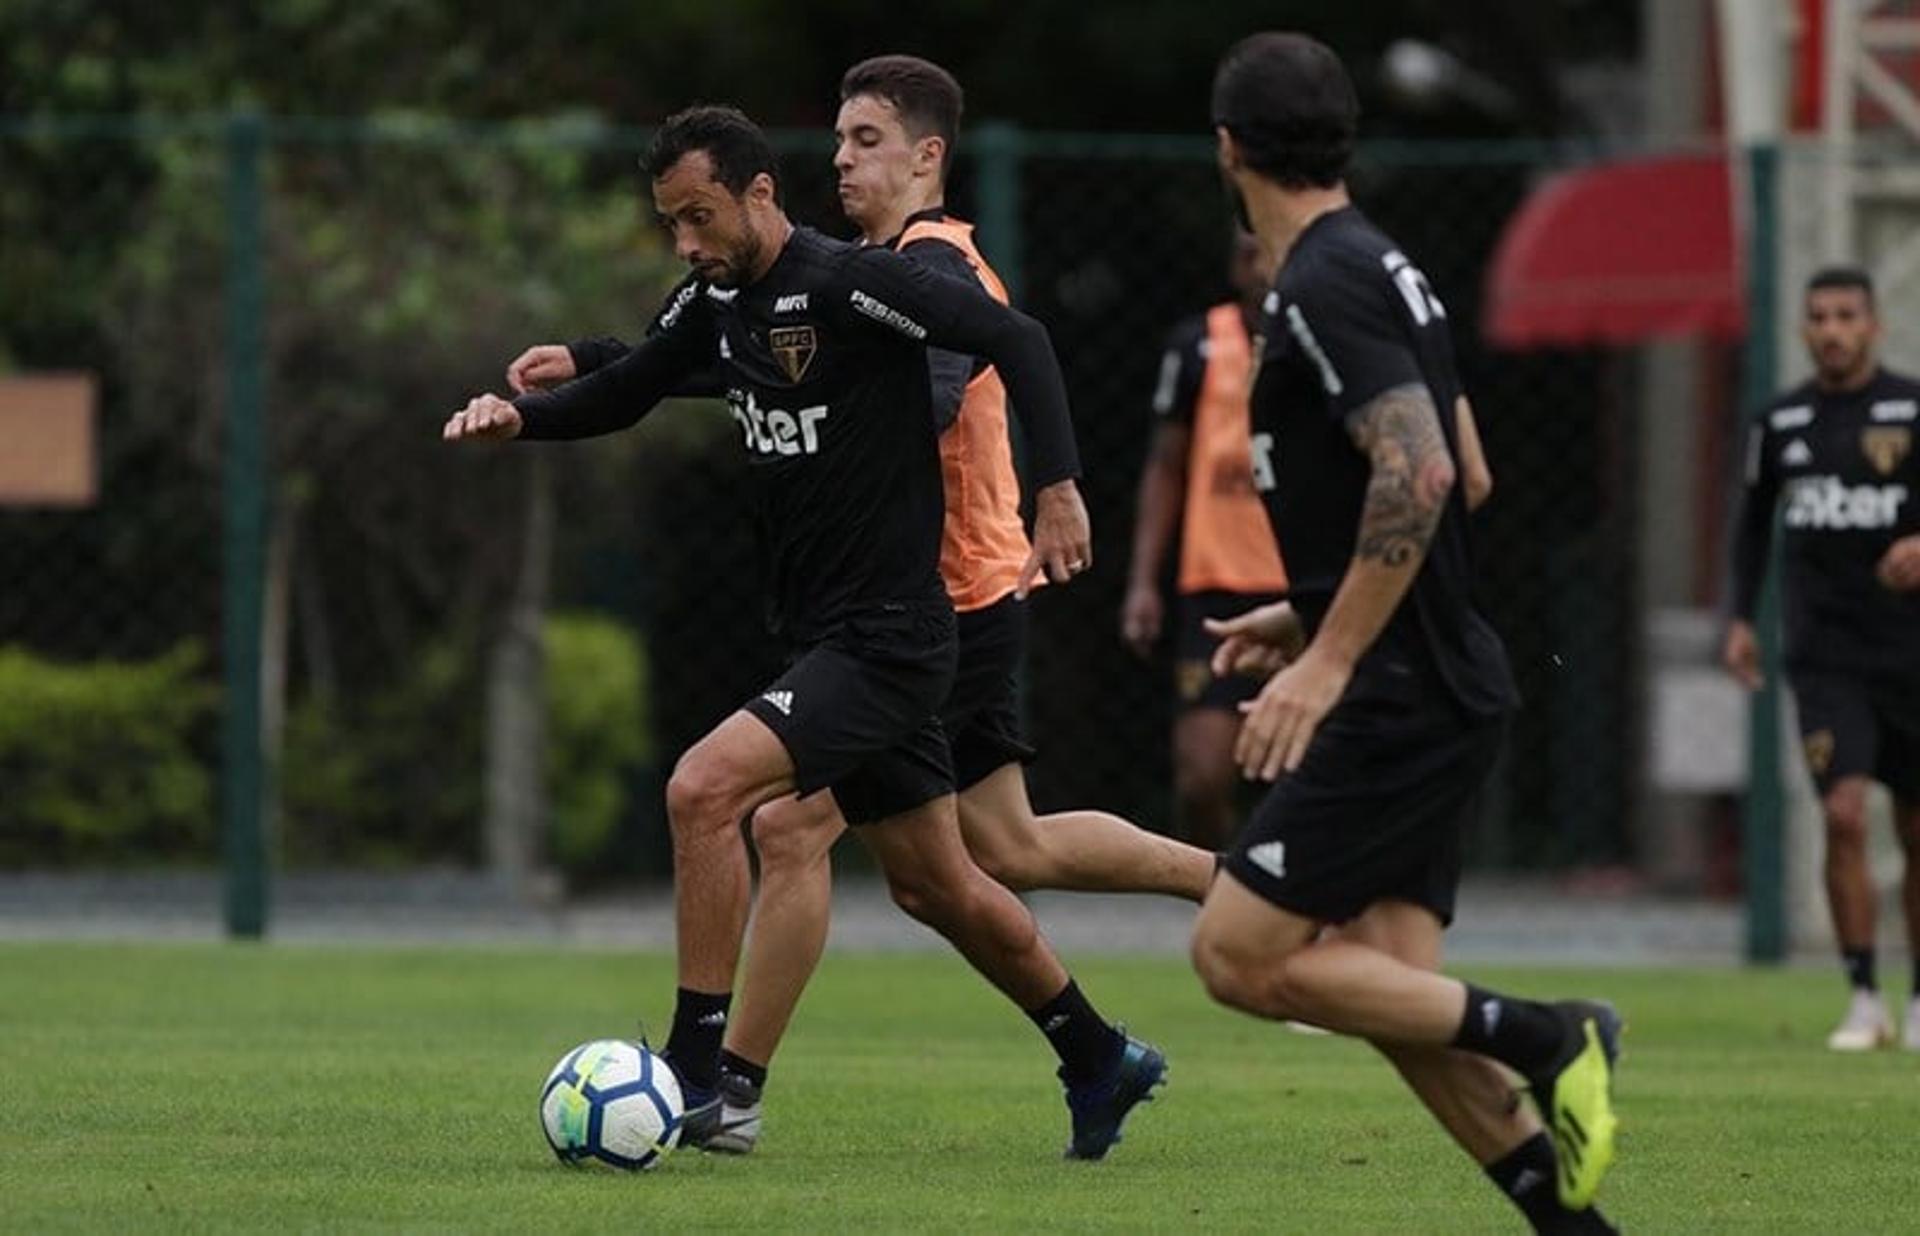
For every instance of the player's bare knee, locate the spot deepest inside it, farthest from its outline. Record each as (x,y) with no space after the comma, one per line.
(1846,824)
(792,840)
(1230,974)
(922,897)
(1015,867)
(701,797)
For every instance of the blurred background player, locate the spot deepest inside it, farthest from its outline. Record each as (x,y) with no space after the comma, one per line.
(1199,479)
(1838,448)
(1391,695)
(897,124)
(822,348)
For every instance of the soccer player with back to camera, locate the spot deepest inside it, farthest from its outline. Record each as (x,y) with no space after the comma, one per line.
(1839,449)
(1391,693)
(898,122)
(1199,481)
(823,348)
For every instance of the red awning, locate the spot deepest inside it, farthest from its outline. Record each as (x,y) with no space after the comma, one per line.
(1617,254)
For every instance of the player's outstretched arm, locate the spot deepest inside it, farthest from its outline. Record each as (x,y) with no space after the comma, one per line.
(887,292)
(1476,478)
(485,418)
(1411,476)
(1741,654)
(1162,492)
(1157,503)
(617,394)
(1062,536)
(540,367)
(1752,532)
(1899,567)
(1259,643)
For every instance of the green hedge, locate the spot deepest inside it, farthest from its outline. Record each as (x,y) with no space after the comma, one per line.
(98,760)
(598,733)
(110,762)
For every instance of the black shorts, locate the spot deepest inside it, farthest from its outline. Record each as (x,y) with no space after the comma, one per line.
(982,716)
(859,712)
(1854,725)
(1194,685)
(1377,811)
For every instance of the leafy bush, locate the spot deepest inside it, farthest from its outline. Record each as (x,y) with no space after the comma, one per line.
(98,760)
(387,777)
(598,731)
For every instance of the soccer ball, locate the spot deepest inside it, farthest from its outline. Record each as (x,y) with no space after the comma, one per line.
(611,1103)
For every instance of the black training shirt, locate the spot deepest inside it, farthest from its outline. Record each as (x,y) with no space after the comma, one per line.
(824,360)
(1348,319)
(1843,465)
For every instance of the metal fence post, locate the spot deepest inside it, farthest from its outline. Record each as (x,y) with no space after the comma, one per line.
(245,774)
(1763,811)
(999,147)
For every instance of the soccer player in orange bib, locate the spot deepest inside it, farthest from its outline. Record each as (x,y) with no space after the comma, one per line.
(1199,481)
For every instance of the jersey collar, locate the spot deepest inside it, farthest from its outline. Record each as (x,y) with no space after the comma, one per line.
(932,214)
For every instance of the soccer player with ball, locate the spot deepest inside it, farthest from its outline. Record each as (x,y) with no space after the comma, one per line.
(823,347)
(899,119)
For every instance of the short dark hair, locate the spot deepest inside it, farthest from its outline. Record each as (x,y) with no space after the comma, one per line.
(1854,277)
(927,97)
(1289,104)
(737,147)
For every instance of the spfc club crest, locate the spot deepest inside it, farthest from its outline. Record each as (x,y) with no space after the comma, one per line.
(1819,748)
(1885,446)
(793,347)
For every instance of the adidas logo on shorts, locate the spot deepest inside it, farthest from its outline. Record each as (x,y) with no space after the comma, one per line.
(783,700)
(1270,857)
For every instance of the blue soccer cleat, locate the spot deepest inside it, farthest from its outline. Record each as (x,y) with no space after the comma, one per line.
(1100,1108)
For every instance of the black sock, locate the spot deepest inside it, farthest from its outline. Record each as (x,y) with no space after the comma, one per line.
(699,1023)
(1860,969)
(1526,1176)
(1086,1044)
(740,1066)
(1525,1035)
(1916,978)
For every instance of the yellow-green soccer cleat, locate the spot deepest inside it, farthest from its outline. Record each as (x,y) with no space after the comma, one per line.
(1575,1095)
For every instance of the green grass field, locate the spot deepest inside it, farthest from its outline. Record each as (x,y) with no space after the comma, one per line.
(209,1087)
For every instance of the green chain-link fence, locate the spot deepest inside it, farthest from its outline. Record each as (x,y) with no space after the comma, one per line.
(409,595)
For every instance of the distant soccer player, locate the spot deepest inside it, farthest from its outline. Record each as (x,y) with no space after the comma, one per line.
(823,347)
(899,119)
(1198,480)
(1839,449)
(1392,693)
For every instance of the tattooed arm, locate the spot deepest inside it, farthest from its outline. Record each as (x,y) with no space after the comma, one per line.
(1399,432)
(1412,473)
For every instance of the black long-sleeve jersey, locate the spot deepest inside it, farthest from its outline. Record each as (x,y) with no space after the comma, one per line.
(949,371)
(1844,463)
(824,359)
(1349,318)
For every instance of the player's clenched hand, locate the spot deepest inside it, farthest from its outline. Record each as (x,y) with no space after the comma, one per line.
(485,416)
(1062,537)
(1141,616)
(1899,567)
(1280,721)
(1741,654)
(539,367)
(1258,643)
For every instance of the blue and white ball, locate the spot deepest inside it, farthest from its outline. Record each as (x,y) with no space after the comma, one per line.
(611,1103)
